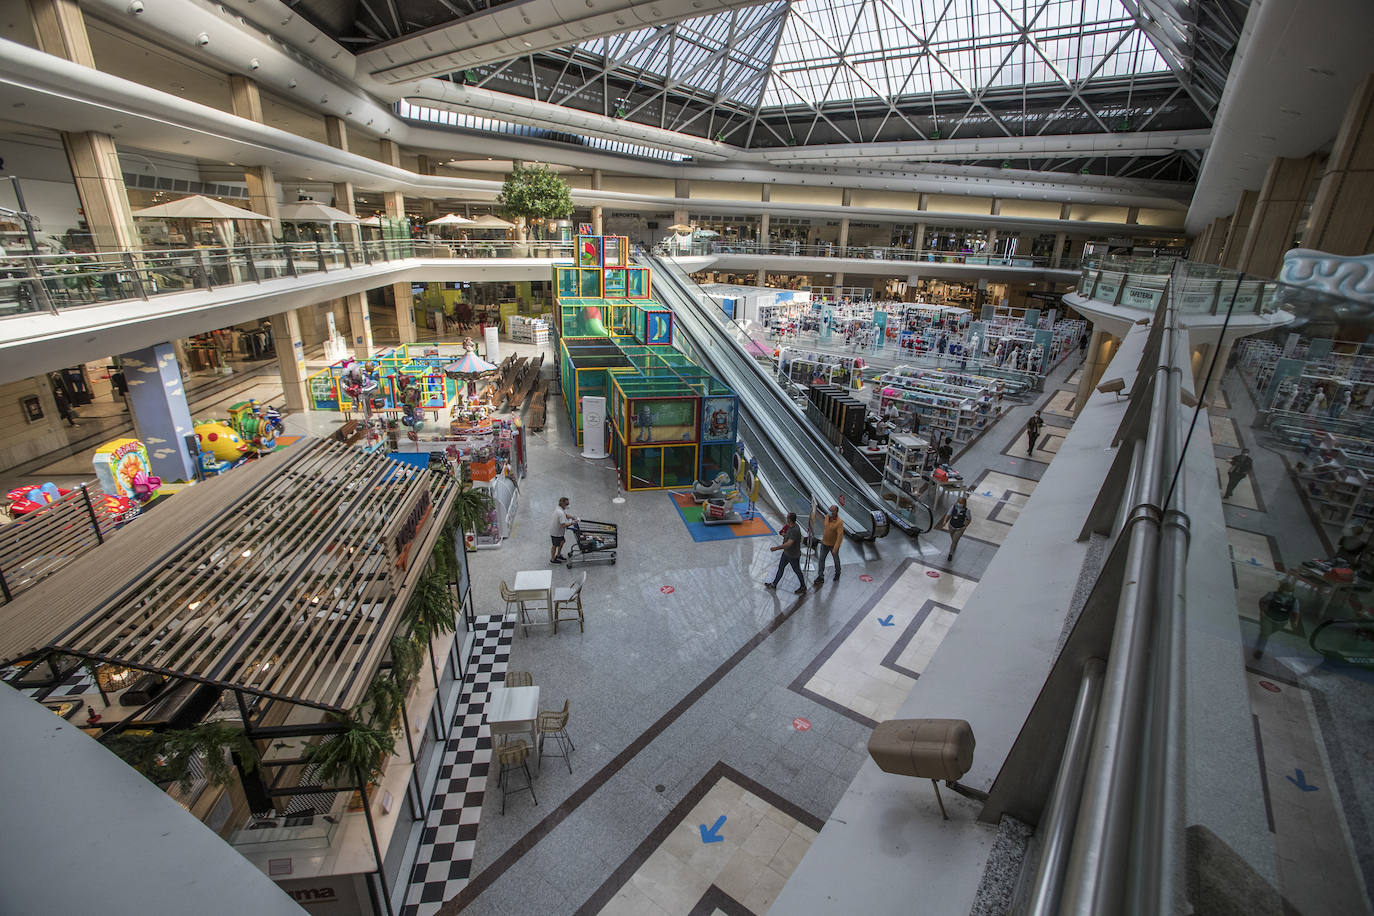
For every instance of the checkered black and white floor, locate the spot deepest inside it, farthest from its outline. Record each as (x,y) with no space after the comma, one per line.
(443,863)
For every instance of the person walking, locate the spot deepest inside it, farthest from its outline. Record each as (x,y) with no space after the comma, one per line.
(562,521)
(119,387)
(791,553)
(1033,432)
(1241,466)
(1278,610)
(832,536)
(955,521)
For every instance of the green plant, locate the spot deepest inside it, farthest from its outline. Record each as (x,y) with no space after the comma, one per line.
(471,508)
(535,192)
(432,610)
(360,748)
(407,657)
(384,699)
(166,756)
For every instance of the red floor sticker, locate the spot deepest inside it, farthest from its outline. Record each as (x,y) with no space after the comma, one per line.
(932,573)
(667,589)
(1271,687)
(801,725)
(865,578)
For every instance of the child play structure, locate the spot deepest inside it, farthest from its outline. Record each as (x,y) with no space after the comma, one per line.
(670,422)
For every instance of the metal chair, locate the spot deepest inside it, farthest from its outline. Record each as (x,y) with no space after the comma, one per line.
(551,724)
(514,755)
(570,597)
(512,597)
(518,679)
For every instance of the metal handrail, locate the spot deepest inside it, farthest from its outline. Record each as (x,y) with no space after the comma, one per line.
(52,282)
(865,252)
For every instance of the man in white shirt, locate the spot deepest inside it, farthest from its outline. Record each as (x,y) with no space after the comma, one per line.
(562,521)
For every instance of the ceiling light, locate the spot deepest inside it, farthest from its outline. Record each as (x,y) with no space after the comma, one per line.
(527,44)
(291,83)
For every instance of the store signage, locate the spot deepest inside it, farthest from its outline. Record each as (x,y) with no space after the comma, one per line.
(409,528)
(312,894)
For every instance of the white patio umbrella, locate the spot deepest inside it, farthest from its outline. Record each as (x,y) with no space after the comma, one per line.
(199,207)
(491,221)
(308,211)
(452,219)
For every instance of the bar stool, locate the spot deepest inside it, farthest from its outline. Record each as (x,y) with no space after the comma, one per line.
(551,724)
(514,755)
(514,598)
(518,679)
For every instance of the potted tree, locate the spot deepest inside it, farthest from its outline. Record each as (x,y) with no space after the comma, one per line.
(534,192)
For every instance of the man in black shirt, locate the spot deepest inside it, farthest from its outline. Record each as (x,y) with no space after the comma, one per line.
(791,553)
(1033,432)
(1241,466)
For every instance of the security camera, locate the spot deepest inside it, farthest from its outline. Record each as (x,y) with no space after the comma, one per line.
(254,64)
(202,39)
(136,7)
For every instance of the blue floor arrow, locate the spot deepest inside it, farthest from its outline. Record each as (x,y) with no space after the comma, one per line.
(712,835)
(1301,782)
(886,621)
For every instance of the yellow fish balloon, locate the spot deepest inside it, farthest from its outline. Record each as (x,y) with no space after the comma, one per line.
(221,441)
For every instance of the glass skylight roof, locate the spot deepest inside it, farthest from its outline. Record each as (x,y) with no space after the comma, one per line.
(838,50)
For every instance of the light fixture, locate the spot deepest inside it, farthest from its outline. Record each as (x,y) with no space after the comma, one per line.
(247,553)
(114,677)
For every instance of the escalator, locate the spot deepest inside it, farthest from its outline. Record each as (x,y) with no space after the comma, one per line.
(798,466)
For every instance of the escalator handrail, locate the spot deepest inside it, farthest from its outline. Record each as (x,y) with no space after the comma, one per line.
(854,485)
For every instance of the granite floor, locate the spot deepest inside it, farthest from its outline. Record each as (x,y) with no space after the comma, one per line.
(692,679)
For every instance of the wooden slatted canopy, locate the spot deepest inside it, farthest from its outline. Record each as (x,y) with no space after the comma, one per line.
(285,578)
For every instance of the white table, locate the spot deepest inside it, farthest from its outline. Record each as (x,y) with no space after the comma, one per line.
(536,585)
(513,710)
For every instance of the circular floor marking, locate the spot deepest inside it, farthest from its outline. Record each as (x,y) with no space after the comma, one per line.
(932,573)
(667,589)
(865,578)
(801,725)
(1270,686)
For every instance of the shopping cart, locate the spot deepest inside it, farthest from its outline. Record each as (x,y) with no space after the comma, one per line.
(596,543)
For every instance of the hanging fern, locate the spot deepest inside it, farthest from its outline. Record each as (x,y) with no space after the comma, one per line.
(432,610)
(166,756)
(360,749)
(407,657)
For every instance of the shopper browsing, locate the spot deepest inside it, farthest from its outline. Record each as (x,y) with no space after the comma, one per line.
(955,521)
(1241,466)
(946,451)
(562,521)
(1278,611)
(791,553)
(1033,432)
(832,536)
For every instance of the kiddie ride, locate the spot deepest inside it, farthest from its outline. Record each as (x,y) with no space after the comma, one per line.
(717,498)
(28,500)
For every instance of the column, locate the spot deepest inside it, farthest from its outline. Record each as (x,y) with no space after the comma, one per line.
(1342,220)
(405,311)
(682,189)
(287,341)
(61,31)
(1101,347)
(162,419)
(426,166)
(1223,357)
(395,200)
(1240,224)
(918,241)
(1216,237)
(598,214)
(1132,216)
(845,198)
(839,278)
(246,102)
(337,132)
(359,326)
(1281,199)
(764,228)
(761,278)
(1058,252)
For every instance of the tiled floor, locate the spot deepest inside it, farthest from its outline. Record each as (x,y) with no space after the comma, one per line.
(731,852)
(1317,873)
(1224,431)
(668,686)
(1255,567)
(1061,404)
(995,500)
(869,668)
(1045,446)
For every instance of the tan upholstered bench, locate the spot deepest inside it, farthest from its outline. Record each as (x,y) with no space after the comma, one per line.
(931,749)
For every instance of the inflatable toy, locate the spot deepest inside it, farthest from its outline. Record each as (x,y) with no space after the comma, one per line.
(28,499)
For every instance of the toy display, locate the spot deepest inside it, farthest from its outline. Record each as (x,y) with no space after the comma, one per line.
(220,447)
(123,468)
(258,426)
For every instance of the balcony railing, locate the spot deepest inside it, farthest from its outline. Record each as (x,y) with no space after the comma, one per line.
(49,283)
(703,247)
